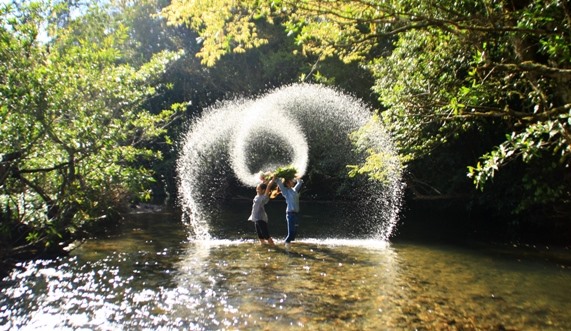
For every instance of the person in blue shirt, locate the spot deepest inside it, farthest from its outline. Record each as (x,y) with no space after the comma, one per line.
(258,215)
(290,191)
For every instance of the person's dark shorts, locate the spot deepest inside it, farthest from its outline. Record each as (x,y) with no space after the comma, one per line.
(262,229)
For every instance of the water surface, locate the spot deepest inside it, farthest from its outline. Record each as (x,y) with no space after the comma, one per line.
(148,275)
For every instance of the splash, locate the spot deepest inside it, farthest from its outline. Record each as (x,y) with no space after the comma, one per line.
(266,138)
(301,124)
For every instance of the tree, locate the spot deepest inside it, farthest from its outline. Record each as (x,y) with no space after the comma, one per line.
(73,126)
(445,71)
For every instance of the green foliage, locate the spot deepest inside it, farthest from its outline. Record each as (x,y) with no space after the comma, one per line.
(527,146)
(417,84)
(209,19)
(379,165)
(287,172)
(443,69)
(72,114)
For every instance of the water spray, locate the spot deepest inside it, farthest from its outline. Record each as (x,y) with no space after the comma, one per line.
(305,125)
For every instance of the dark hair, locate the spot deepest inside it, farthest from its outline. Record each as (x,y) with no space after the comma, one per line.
(263,186)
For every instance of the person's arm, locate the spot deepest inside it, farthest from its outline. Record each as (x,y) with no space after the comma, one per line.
(280,184)
(297,186)
(269,187)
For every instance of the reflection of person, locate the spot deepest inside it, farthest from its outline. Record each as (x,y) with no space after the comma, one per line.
(290,191)
(258,215)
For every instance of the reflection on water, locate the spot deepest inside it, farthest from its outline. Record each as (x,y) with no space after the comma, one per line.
(148,276)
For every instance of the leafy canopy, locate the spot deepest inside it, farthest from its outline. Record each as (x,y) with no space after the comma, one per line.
(443,68)
(74,130)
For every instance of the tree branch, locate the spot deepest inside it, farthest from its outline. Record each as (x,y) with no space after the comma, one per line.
(532,66)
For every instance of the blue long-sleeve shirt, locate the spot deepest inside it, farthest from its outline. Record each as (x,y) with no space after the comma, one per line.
(291,195)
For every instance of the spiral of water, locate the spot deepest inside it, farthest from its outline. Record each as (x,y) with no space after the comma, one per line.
(306,125)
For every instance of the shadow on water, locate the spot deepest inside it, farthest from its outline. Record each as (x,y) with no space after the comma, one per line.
(149,275)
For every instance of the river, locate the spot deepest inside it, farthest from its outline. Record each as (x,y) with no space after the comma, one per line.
(148,275)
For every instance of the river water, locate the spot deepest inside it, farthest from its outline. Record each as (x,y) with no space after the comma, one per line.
(148,275)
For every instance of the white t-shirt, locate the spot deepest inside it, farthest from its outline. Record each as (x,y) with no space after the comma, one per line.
(258,210)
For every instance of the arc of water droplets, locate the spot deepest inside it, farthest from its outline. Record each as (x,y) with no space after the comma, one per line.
(300,124)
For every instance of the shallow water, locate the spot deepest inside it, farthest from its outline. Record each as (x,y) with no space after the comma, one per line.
(149,276)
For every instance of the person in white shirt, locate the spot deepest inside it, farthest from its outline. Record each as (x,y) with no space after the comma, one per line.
(258,215)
